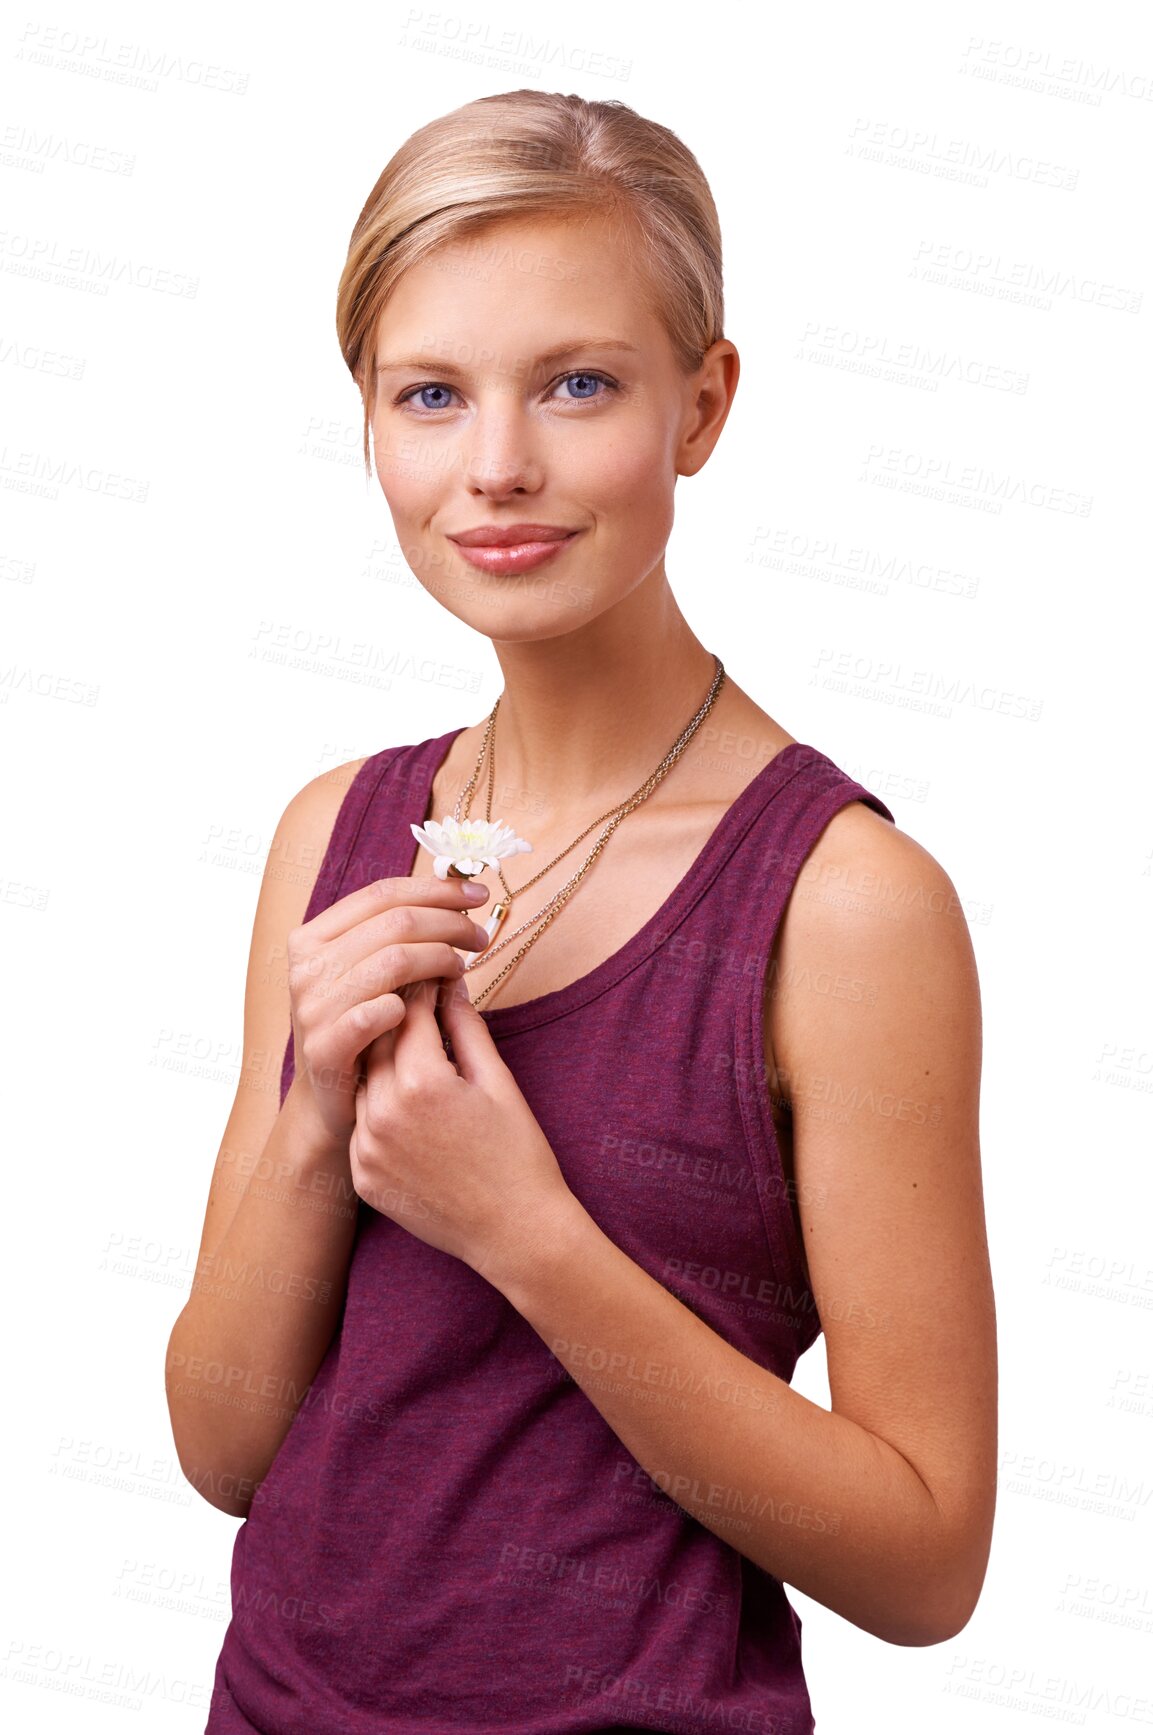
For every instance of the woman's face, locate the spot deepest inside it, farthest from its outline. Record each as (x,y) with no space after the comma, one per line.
(523,380)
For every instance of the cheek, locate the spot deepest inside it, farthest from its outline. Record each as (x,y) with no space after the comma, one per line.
(393,483)
(631,473)
(634,505)
(406,477)
(410,463)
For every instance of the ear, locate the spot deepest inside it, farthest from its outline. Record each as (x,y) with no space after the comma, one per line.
(713,388)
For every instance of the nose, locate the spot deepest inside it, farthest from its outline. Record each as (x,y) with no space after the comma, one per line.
(500,459)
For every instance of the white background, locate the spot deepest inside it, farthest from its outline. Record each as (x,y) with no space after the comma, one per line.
(882,307)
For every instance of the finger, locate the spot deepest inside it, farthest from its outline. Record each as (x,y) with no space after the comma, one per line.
(379,1075)
(382,895)
(379,1056)
(366,973)
(473,1048)
(409,963)
(368,966)
(418,1043)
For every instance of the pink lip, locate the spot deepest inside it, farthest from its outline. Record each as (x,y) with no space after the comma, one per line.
(509,535)
(512,548)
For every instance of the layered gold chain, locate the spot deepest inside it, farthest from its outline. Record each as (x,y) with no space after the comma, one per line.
(556,903)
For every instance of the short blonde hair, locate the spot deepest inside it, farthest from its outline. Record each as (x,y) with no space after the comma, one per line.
(537,153)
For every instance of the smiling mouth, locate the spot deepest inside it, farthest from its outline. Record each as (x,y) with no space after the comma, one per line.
(509,535)
(506,557)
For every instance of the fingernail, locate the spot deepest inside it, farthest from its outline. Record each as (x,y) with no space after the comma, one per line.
(476,894)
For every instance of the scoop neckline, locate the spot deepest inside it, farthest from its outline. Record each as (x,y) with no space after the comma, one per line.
(557,1002)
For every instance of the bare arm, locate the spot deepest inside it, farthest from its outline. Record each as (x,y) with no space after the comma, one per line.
(882,1507)
(273,1261)
(272,1272)
(265,1303)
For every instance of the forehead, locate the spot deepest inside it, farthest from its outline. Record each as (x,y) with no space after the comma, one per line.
(535,274)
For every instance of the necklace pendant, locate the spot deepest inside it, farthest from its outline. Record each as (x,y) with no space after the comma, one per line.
(490,925)
(499,912)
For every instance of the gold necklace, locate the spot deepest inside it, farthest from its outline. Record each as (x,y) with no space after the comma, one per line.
(554,905)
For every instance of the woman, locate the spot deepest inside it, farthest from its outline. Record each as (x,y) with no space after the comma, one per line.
(499,1297)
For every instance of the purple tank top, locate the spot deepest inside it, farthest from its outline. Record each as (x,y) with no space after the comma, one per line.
(451,1537)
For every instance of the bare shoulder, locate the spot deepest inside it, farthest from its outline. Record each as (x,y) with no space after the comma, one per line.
(873,1016)
(874,924)
(865,880)
(295,857)
(314,807)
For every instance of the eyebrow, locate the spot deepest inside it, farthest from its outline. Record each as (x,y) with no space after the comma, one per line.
(438,364)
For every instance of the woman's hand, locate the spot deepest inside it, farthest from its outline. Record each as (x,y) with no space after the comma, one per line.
(345,970)
(452,1152)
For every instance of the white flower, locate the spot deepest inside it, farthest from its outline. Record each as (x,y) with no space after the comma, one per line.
(468,845)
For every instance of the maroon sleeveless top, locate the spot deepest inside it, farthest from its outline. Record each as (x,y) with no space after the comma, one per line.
(451,1536)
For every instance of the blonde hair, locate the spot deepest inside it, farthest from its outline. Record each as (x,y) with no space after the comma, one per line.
(537,153)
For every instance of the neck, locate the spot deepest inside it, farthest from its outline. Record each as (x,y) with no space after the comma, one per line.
(589,716)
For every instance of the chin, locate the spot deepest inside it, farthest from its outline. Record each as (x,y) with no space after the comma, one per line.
(524,623)
(526,607)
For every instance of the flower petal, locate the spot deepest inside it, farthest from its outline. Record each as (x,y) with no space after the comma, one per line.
(471,844)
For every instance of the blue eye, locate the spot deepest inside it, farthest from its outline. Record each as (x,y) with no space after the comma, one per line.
(583,381)
(584,391)
(443,391)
